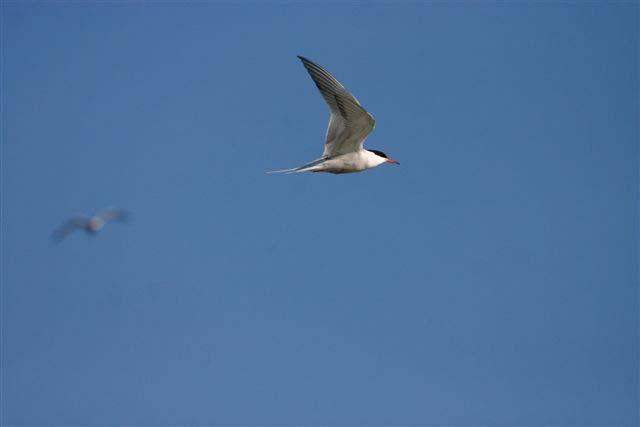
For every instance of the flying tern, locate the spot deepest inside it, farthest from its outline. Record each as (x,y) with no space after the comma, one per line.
(90,224)
(349,125)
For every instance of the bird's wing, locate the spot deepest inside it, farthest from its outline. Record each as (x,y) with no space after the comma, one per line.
(349,123)
(69,226)
(114,214)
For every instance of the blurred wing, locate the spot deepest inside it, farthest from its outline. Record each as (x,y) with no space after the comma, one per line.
(349,123)
(114,214)
(68,227)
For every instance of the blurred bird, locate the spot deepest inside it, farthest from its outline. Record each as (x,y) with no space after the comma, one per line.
(91,225)
(349,125)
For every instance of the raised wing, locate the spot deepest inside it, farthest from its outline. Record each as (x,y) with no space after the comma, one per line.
(349,123)
(114,214)
(69,226)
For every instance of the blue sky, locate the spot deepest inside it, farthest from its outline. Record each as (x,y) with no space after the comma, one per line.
(491,278)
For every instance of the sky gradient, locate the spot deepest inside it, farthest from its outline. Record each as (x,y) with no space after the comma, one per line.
(491,278)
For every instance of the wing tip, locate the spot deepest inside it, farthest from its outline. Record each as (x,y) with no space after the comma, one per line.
(305,61)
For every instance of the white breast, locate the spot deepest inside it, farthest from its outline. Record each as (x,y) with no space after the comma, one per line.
(96,223)
(351,162)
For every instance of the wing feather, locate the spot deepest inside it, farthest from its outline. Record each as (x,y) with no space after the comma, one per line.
(68,227)
(349,123)
(114,214)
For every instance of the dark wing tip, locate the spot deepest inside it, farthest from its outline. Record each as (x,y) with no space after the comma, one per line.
(306,61)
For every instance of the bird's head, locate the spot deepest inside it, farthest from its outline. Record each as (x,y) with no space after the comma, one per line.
(385,157)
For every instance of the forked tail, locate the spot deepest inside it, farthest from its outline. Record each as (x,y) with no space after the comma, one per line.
(303,168)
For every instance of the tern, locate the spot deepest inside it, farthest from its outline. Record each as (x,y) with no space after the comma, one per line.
(349,125)
(90,224)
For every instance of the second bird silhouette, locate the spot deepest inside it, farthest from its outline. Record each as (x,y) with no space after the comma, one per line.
(89,224)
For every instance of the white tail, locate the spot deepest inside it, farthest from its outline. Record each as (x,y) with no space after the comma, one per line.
(303,168)
(294,170)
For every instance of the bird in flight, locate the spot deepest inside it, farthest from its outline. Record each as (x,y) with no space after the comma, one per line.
(349,125)
(89,224)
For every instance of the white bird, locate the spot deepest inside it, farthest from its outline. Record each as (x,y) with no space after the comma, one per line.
(349,125)
(90,224)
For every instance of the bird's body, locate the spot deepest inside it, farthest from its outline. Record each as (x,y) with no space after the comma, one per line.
(95,224)
(349,126)
(90,224)
(356,161)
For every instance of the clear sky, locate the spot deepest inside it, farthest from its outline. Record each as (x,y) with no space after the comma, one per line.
(491,278)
